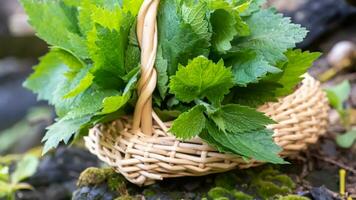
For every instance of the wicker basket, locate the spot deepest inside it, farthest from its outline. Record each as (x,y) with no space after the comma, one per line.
(144,151)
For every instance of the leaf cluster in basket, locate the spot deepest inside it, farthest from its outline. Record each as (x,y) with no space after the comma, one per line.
(217,61)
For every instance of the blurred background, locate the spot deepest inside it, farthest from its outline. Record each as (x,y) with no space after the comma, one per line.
(332,26)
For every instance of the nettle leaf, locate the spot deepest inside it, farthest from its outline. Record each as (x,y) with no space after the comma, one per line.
(88,103)
(111,18)
(248,7)
(226,24)
(196,16)
(239,119)
(177,39)
(62,131)
(257,144)
(201,78)
(161,67)
(108,39)
(293,70)
(271,35)
(133,52)
(83,84)
(74,63)
(190,123)
(47,76)
(63,31)
(248,68)
(132,6)
(253,95)
(114,103)
(224,31)
(107,49)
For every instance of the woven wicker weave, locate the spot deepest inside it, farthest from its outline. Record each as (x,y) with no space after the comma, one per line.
(302,118)
(144,151)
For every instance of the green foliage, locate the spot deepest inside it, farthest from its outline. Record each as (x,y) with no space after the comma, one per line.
(270,86)
(63,31)
(201,78)
(78,85)
(27,127)
(298,63)
(271,35)
(347,139)
(24,169)
(237,119)
(10,183)
(248,67)
(216,61)
(255,144)
(190,123)
(242,130)
(338,94)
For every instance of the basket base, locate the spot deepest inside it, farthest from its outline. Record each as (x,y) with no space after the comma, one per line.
(302,118)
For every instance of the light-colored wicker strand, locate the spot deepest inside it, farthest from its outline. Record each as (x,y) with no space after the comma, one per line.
(147,38)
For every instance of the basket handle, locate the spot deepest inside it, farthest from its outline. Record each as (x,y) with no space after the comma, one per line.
(148,40)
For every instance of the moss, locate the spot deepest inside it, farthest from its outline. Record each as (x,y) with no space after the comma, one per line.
(293,197)
(95,176)
(218,193)
(91,177)
(268,189)
(149,193)
(241,196)
(226,180)
(116,182)
(128,197)
(283,180)
(271,182)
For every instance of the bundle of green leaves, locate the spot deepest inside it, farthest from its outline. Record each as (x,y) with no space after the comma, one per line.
(217,61)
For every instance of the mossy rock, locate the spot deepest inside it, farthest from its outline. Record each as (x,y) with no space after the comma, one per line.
(261,183)
(219,193)
(293,197)
(95,176)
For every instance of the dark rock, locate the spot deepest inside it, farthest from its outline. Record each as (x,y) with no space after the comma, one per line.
(57,175)
(321,193)
(326,175)
(101,192)
(11,66)
(63,166)
(15,100)
(54,192)
(329,148)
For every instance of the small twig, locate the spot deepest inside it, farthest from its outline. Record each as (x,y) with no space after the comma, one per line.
(334,162)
